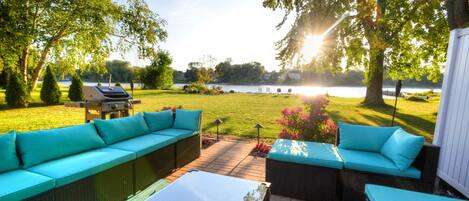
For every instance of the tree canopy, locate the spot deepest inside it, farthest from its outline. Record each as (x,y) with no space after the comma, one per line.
(159,75)
(405,39)
(239,73)
(73,33)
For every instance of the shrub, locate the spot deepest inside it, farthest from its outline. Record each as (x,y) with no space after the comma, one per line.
(118,84)
(201,88)
(309,123)
(50,91)
(171,108)
(16,94)
(3,79)
(75,92)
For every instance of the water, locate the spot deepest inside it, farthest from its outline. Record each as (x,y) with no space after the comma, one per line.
(350,92)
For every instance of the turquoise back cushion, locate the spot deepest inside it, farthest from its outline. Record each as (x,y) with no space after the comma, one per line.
(402,148)
(40,146)
(159,120)
(364,138)
(115,130)
(8,152)
(187,119)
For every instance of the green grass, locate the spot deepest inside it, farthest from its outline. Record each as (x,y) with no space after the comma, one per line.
(239,112)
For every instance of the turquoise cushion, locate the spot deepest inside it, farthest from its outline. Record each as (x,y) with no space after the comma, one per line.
(73,168)
(309,153)
(179,134)
(375,163)
(159,120)
(40,146)
(402,148)
(187,119)
(21,184)
(144,144)
(115,130)
(8,152)
(364,138)
(383,193)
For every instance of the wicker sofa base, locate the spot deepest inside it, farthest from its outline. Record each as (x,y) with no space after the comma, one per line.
(353,184)
(303,182)
(113,184)
(154,166)
(188,150)
(46,196)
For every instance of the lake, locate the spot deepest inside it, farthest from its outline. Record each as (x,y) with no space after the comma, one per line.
(339,91)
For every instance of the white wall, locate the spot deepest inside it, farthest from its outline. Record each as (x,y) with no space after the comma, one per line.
(452,128)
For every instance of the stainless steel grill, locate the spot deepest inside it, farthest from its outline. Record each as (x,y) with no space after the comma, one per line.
(101,101)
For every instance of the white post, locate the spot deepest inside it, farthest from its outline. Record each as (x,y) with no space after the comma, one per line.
(446,87)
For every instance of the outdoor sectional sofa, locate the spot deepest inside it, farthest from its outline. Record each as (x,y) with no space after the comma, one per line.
(384,193)
(105,160)
(364,155)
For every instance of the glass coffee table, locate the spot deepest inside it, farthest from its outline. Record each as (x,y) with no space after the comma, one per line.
(198,185)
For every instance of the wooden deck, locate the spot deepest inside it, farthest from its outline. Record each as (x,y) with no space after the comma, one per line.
(230,158)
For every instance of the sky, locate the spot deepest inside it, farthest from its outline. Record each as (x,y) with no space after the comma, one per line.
(242,30)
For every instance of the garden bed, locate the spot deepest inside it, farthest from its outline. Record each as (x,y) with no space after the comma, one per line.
(207,142)
(260,150)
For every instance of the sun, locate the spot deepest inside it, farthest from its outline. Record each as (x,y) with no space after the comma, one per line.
(311,46)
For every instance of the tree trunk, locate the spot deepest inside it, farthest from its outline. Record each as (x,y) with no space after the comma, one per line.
(24,62)
(458,13)
(38,69)
(374,79)
(43,58)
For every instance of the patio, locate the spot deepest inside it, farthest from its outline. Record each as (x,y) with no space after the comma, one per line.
(230,157)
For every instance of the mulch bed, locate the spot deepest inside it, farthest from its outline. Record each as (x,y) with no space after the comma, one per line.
(261,150)
(207,142)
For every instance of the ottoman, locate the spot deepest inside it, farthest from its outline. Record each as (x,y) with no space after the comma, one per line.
(304,170)
(383,193)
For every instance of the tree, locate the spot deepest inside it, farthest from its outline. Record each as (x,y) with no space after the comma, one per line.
(239,73)
(159,75)
(408,37)
(32,33)
(205,75)
(75,92)
(191,73)
(50,91)
(16,94)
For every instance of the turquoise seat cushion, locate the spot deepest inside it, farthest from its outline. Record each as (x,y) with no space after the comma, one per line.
(375,163)
(8,154)
(159,120)
(364,138)
(73,168)
(44,145)
(22,184)
(179,134)
(187,119)
(115,130)
(144,144)
(309,153)
(402,148)
(383,193)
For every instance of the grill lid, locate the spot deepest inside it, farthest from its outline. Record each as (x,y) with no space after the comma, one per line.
(105,94)
(113,92)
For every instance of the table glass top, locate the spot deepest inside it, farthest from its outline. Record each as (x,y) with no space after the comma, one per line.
(203,186)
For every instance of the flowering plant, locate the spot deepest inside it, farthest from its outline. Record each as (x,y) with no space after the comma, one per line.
(309,123)
(261,150)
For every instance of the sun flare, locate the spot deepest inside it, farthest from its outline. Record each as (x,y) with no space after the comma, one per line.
(311,46)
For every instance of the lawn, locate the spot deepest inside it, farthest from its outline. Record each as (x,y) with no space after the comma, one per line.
(240,112)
